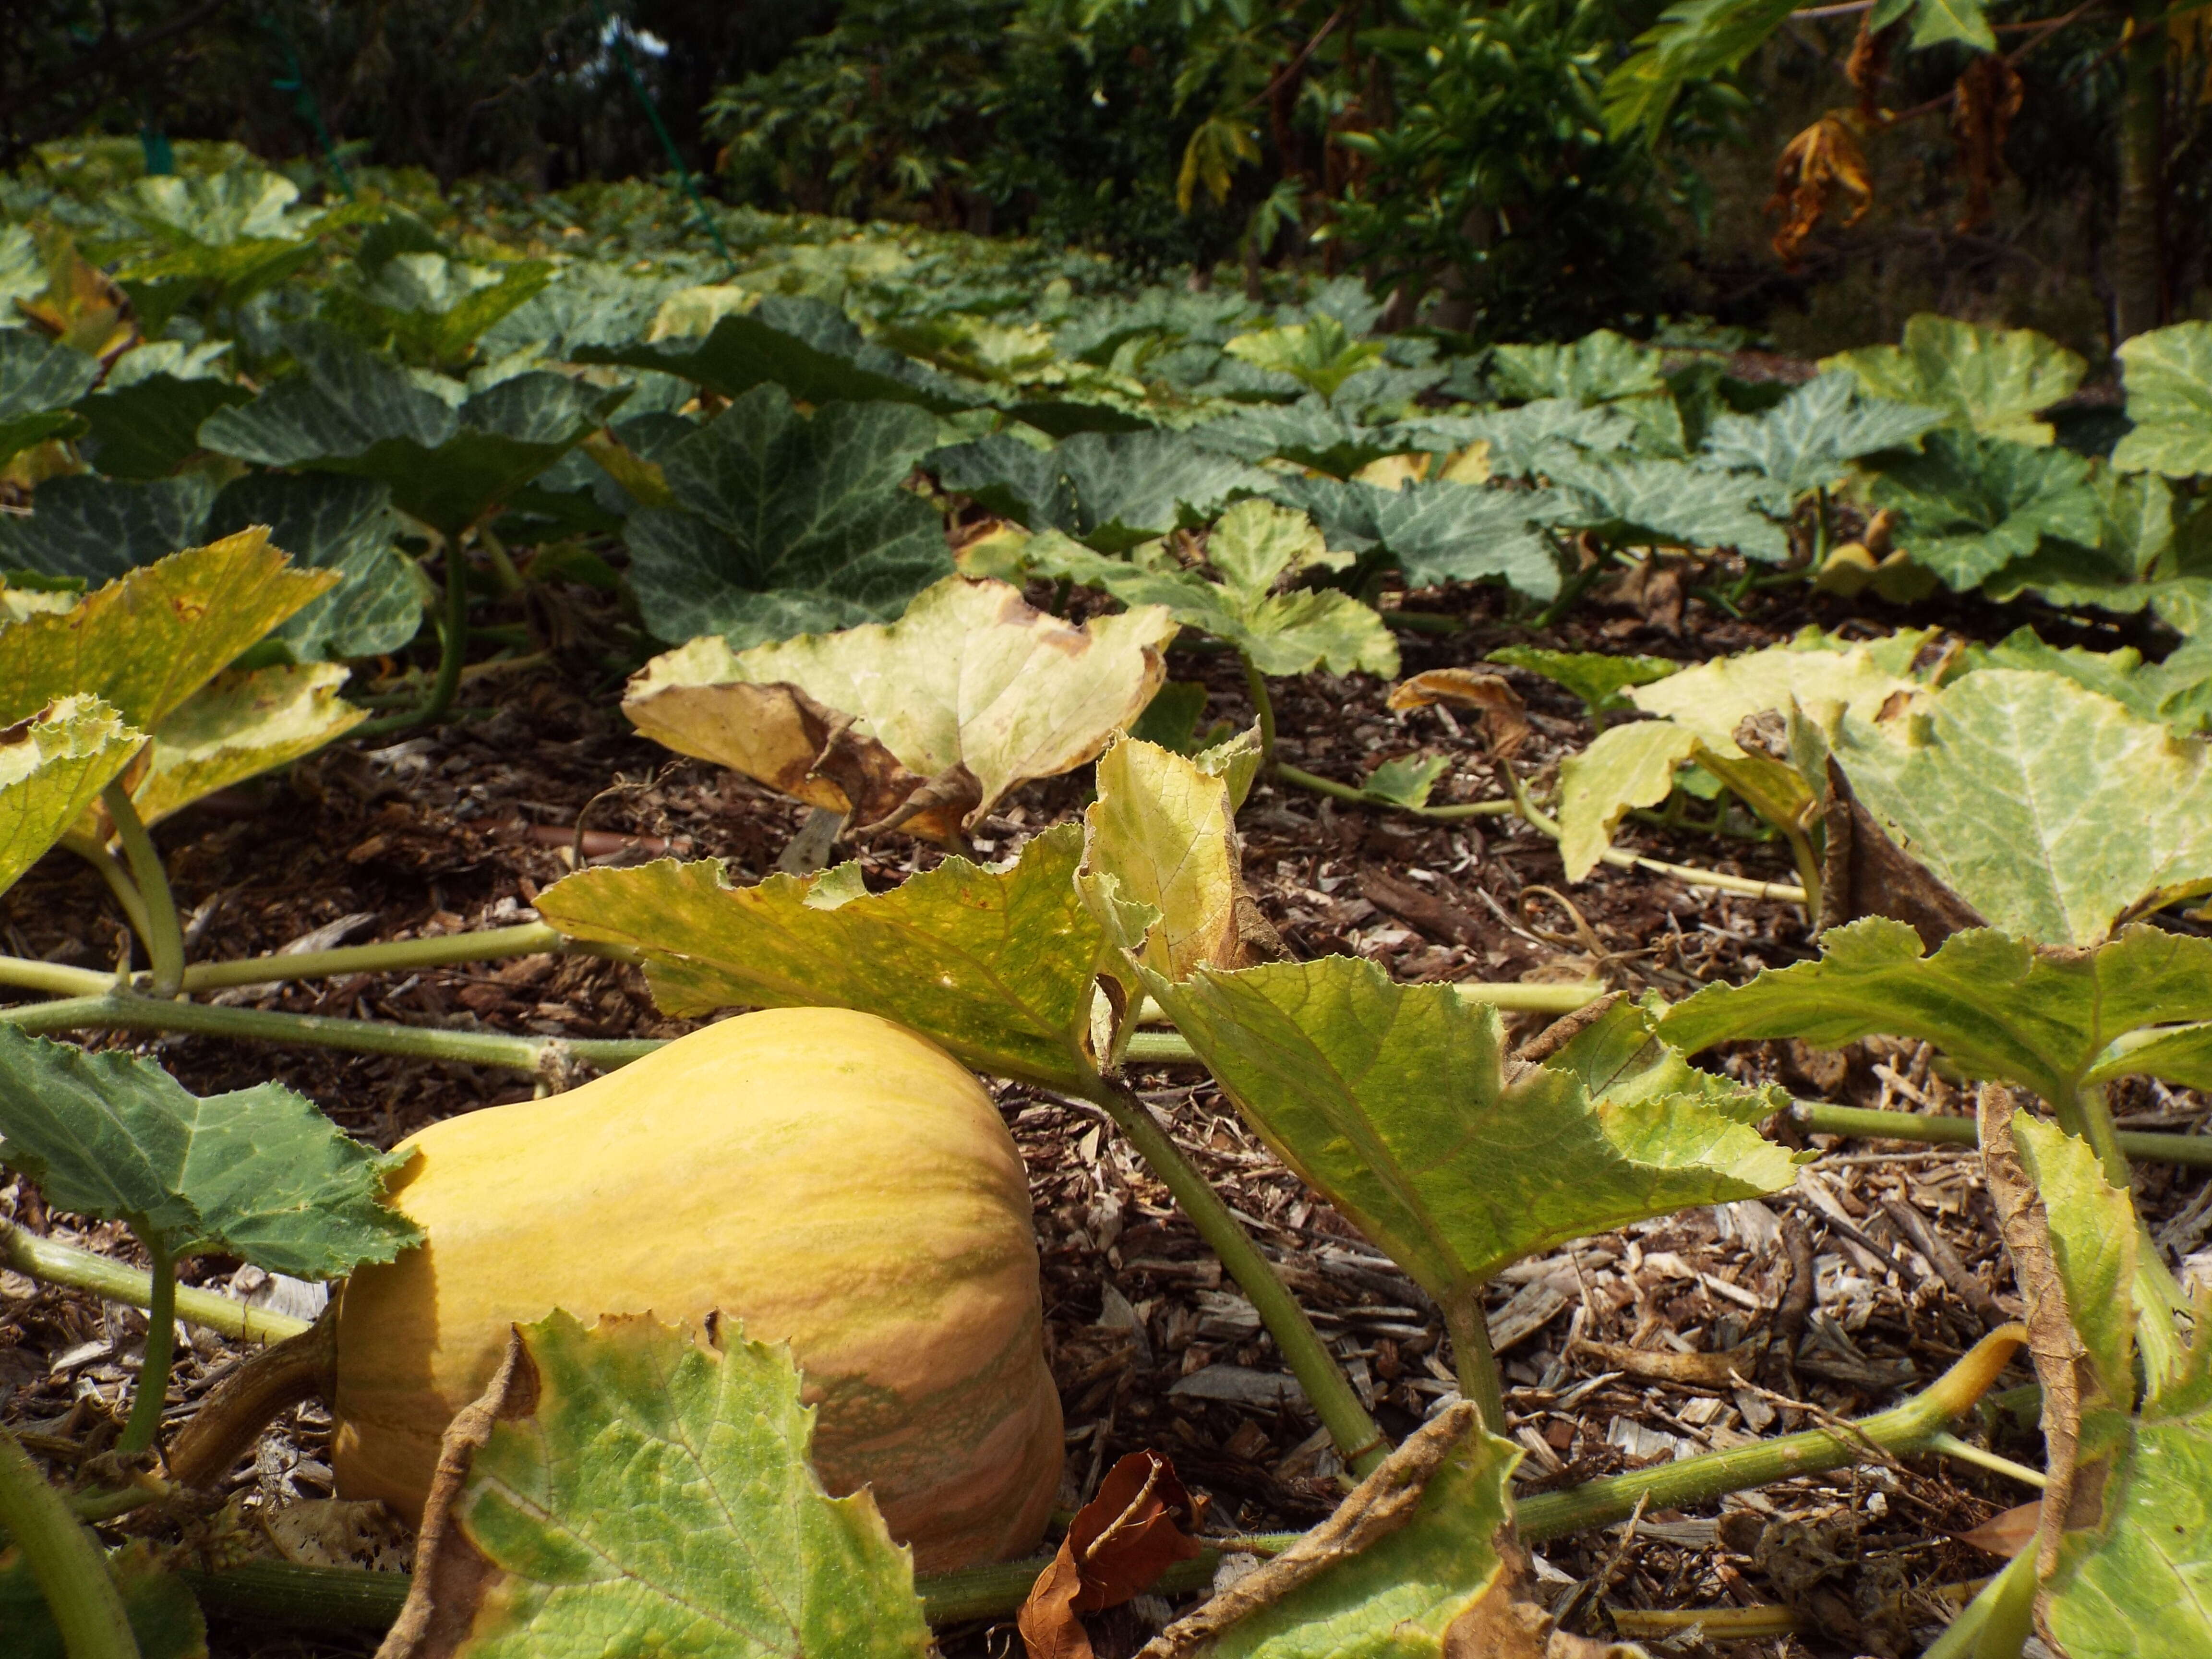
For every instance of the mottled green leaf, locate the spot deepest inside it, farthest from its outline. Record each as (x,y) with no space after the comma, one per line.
(2050,1021)
(1440,532)
(430,308)
(2177,692)
(38,382)
(1395,1101)
(98,529)
(1109,490)
(1599,368)
(2050,810)
(345,526)
(145,419)
(53,768)
(1993,380)
(149,640)
(1808,440)
(1598,677)
(1630,765)
(242,723)
(998,966)
(635,1491)
(1319,354)
(259,1173)
(1969,506)
(1308,433)
(164,1617)
(969,693)
(2169,380)
(784,524)
(1539,435)
(1641,503)
(1422,1546)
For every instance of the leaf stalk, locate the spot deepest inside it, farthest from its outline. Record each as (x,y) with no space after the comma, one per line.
(115,1281)
(163,934)
(65,1558)
(1472,1361)
(152,1398)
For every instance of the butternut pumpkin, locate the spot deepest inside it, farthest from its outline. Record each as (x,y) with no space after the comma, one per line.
(828,1177)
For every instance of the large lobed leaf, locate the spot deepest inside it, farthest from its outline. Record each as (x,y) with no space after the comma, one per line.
(1440,532)
(624,1489)
(40,379)
(145,419)
(243,723)
(53,768)
(969,693)
(783,523)
(1398,1103)
(2051,810)
(258,1173)
(1642,502)
(998,966)
(2169,380)
(1992,379)
(1807,440)
(1110,491)
(1969,506)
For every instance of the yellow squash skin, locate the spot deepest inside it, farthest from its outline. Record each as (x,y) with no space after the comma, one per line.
(830,1179)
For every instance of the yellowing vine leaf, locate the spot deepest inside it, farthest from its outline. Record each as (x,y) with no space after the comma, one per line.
(2051,810)
(1994,379)
(53,767)
(1630,765)
(242,723)
(623,1489)
(998,966)
(924,723)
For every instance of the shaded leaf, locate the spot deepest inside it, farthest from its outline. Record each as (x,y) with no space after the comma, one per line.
(1599,368)
(623,1488)
(1398,1104)
(1440,532)
(1693,40)
(1117,1548)
(1537,436)
(1108,490)
(1808,440)
(164,1617)
(1672,503)
(1993,380)
(2051,1022)
(148,640)
(2050,810)
(2168,373)
(38,382)
(785,524)
(98,528)
(1935,21)
(259,1173)
(430,307)
(997,966)
(1968,506)
(969,693)
(53,768)
(145,419)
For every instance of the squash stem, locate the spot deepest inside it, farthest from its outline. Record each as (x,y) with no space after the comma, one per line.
(64,1560)
(1263,707)
(152,1396)
(390,956)
(1344,792)
(1689,874)
(1359,1442)
(164,934)
(2148,1145)
(115,1281)
(119,881)
(56,977)
(1472,1361)
(236,1411)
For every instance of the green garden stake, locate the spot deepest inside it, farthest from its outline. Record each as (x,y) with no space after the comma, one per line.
(618,37)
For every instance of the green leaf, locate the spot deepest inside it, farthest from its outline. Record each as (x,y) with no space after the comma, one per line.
(1255,545)
(2168,373)
(1307,433)
(638,1492)
(1376,1582)
(1993,380)
(1807,440)
(2051,1022)
(448,465)
(1406,781)
(1321,354)
(997,966)
(808,348)
(2093,1243)
(1969,506)
(99,529)
(784,524)
(242,723)
(259,1173)
(1111,491)
(145,419)
(148,640)
(969,693)
(164,1617)
(432,308)
(1630,765)
(1598,677)
(38,382)
(2050,810)
(1162,837)
(1599,368)
(1693,41)
(53,768)
(1641,503)
(1537,436)
(1395,1102)
(2177,692)
(1440,532)
(1935,21)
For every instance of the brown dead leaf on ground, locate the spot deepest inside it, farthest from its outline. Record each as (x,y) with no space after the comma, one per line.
(1504,716)
(1120,1543)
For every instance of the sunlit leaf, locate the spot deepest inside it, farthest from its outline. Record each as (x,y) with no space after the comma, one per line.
(2177,691)
(1993,380)
(2092,1246)
(785,524)
(1319,353)
(242,723)
(1406,781)
(624,1488)
(1599,368)
(53,768)
(260,1173)
(925,722)
(999,967)
(2169,379)
(1808,440)
(1936,21)
(1967,506)
(1630,765)
(430,308)
(1672,503)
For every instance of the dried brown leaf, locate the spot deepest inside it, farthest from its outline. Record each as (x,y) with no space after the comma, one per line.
(1988,95)
(1120,1543)
(1821,164)
(1504,716)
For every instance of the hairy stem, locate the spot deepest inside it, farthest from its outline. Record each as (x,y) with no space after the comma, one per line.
(64,1560)
(1359,1442)
(1473,1362)
(1335,791)
(117,1281)
(119,880)
(153,1397)
(122,1011)
(1263,707)
(2146,1146)
(54,976)
(165,934)
(392,956)
(1683,872)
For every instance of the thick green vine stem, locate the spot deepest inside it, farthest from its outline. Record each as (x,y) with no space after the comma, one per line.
(146,1406)
(164,934)
(1263,707)
(65,1264)
(65,1558)
(117,879)
(399,956)
(350,1599)
(2143,1146)
(1359,1441)
(1472,1361)
(452,651)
